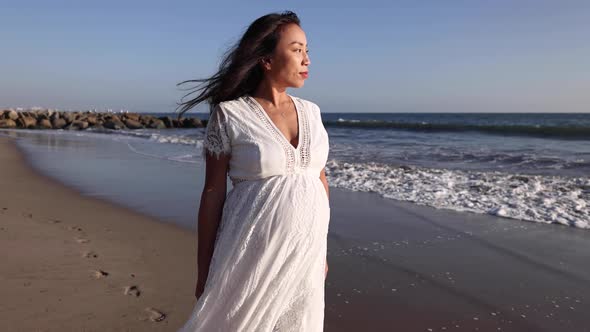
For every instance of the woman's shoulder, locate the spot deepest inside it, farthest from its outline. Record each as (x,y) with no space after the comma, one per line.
(233,106)
(307,104)
(230,105)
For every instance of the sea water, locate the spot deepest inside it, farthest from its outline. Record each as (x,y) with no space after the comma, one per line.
(533,167)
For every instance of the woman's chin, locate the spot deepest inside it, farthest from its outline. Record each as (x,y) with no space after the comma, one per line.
(299,84)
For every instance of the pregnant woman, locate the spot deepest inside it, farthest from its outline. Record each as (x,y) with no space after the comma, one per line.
(262,246)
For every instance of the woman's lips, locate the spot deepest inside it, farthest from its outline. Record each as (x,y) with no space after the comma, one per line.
(304,74)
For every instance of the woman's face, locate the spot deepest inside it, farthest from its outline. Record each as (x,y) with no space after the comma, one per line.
(289,63)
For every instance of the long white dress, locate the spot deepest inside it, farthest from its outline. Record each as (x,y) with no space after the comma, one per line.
(268,266)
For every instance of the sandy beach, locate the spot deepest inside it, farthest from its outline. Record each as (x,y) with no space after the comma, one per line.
(394,266)
(67,260)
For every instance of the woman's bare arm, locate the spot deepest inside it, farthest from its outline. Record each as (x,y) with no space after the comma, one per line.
(211,206)
(325,182)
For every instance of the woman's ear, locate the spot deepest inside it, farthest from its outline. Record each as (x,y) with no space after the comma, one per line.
(265,63)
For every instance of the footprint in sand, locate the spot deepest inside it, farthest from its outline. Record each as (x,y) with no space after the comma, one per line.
(82,240)
(132,290)
(89,254)
(28,215)
(155,314)
(75,228)
(54,221)
(98,274)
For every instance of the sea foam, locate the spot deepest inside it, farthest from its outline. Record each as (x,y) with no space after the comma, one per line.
(537,198)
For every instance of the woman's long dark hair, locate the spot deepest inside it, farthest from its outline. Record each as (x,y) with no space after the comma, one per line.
(240,71)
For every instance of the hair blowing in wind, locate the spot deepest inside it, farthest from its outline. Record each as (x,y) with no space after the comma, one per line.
(239,72)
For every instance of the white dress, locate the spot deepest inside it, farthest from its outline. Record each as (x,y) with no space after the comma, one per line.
(268,266)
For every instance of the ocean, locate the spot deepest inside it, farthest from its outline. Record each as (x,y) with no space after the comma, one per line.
(531,167)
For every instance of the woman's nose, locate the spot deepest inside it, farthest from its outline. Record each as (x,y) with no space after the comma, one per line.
(306,60)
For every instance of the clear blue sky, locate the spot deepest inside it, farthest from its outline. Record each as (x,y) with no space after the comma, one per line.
(367,56)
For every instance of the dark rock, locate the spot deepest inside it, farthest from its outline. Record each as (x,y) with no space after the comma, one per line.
(7,123)
(58,123)
(42,116)
(157,124)
(77,125)
(44,124)
(9,114)
(26,122)
(191,123)
(146,118)
(133,124)
(78,120)
(69,117)
(92,120)
(167,121)
(114,123)
(132,116)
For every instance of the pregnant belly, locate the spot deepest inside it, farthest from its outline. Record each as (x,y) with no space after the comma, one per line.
(285,204)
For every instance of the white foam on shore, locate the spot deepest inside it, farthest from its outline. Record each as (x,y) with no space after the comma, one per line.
(175,139)
(537,198)
(185,158)
(154,135)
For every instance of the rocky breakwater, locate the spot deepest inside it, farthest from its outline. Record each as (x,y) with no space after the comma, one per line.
(48,119)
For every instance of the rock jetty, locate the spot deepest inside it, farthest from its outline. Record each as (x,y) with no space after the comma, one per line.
(48,119)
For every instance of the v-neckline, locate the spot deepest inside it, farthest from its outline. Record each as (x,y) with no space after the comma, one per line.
(278,131)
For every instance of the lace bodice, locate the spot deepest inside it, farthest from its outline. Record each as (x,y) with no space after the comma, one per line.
(242,129)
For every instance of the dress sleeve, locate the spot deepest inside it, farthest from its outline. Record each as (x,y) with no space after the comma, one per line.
(217,140)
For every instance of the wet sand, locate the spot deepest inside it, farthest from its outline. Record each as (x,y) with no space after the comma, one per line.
(72,263)
(402,267)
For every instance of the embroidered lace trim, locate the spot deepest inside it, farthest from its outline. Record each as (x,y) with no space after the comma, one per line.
(287,147)
(305,137)
(216,139)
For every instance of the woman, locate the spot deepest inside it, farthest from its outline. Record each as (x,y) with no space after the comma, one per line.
(262,246)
